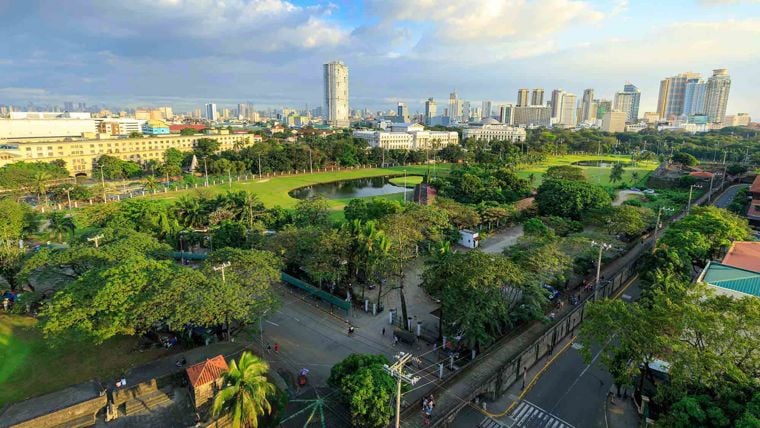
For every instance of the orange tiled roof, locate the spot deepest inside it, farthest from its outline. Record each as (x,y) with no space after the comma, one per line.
(207,371)
(701,174)
(755,188)
(744,255)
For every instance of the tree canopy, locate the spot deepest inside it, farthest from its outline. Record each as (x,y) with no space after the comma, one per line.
(566,198)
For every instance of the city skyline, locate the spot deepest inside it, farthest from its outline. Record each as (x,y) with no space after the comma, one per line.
(269,52)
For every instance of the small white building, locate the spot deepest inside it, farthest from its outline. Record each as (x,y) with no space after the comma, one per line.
(469,238)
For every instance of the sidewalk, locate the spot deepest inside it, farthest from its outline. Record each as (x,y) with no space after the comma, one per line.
(622,413)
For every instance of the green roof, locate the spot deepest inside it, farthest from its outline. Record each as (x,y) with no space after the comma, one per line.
(732,278)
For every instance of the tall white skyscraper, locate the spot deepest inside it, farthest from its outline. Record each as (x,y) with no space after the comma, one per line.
(538,97)
(716,96)
(211,113)
(556,103)
(336,94)
(694,97)
(402,112)
(430,110)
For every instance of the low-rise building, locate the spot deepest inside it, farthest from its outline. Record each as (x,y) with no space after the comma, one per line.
(636,127)
(531,116)
(155,127)
(738,274)
(491,129)
(81,155)
(406,136)
(57,128)
(614,121)
(739,119)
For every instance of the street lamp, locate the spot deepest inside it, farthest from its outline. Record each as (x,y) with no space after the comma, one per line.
(404,186)
(658,224)
(602,246)
(688,206)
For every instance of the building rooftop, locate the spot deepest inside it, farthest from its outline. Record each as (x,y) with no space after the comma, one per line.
(702,174)
(743,255)
(755,187)
(731,280)
(207,371)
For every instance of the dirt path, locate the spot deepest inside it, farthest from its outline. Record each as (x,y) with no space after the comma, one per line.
(499,241)
(625,195)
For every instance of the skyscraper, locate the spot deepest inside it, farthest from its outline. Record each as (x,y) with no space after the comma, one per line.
(716,96)
(588,112)
(694,97)
(466,111)
(672,93)
(567,110)
(211,113)
(522,97)
(454,107)
(402,113)
(485,109)
(506,114)
(430,110)
(538,97)
(556,103)
(242,111)
(627,101)
(336,94)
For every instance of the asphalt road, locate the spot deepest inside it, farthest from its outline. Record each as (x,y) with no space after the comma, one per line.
(571,392)
(725,199)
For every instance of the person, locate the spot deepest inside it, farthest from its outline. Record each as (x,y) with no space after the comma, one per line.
(383,331)
(395,340)
(552,316)
(350,330)
(276,347)
(6,303)
(123,381)
(269,348)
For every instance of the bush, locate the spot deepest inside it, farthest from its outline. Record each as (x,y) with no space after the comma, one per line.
(562,226)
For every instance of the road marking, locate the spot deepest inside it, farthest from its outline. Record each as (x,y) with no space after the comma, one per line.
(626,297)
(577,346)
(529,415)
(274,324)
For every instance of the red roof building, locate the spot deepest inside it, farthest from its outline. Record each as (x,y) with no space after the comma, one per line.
(175,129)
(702,175)
(206,379)
(743,255)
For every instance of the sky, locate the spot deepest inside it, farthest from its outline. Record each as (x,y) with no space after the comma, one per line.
(184,53)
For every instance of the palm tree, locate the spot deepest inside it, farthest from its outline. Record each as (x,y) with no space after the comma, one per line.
(191,212)
(40,184)
(246,392)
(60,226)
(151,184)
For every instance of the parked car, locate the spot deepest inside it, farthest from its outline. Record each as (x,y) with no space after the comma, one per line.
(553,293)
(635,189)
(649,191)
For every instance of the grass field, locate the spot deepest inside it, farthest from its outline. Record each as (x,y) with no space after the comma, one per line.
(274,190)
(595,175)
(29,366)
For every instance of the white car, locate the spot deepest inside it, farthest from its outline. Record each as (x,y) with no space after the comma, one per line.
(649,191)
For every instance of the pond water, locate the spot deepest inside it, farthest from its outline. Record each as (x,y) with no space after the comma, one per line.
(600,163)
(344,189)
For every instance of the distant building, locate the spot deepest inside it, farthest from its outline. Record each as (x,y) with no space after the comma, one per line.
(336,94)
(402,113)
(531,116)
(25,129)
(506,114)
(602,107)
(694,97)
(651,117)
(567,111)
(614,121)
(588,107)
(537,99)
(740,119)
(211,113)
(628,101)
(522,97)
(155,127)
(485,109)
(120,127)
(670,102)
(430,111)
(716,95)
(556,103)
(490,129)
(405,136)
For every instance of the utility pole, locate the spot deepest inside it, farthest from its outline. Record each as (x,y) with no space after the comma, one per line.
(404,186)
(68,196)
(311,169)
(688,206)
(205,170)
(221,268)
(658,225)
(709,194)
(259,167)
(103,184)
(397,371)
(229,179)
(602,246)
(96,239)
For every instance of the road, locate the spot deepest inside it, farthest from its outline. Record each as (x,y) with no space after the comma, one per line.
(725,199)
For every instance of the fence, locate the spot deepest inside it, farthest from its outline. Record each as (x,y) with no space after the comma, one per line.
(316,292)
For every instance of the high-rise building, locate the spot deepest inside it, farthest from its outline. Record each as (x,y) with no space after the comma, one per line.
(466,111)
(531,116)
(506,114)
(588,112)
(567,110)
(242,111)
(716,96)
(68,106)
(522,97)
(537,99)
(402,113)
(670,103)
(614,121)
(627,101)
(211,114)
(453,106)
(336,94)
(694,97)
(485,109)
(556,103)
(430,110)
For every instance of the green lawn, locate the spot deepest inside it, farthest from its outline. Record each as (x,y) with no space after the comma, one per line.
(593,174)
(29,366)
(409,180)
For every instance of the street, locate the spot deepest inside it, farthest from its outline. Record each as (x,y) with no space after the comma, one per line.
(725,199)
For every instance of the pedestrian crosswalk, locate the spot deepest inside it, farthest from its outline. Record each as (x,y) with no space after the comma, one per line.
(528,415)
(490,423)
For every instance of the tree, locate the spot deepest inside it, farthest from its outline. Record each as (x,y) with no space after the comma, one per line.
(246,392)
(312,212)
(41,179)
(192,211)
(135,134)
(366,388)
(616,173)
(60,226)
(151,184)
(628,220)
(370,209)
(736,169)
(684,158)
(188,131)
(565,172)
(565,198)
(11,221)
(206,147)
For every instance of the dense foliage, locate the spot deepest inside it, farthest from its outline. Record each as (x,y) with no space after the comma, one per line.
(570,198)
(366,388)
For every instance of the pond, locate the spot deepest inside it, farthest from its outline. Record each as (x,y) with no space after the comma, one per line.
(600,163)
(346,189)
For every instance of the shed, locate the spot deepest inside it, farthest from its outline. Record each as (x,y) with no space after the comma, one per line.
(469,238)
(206,379)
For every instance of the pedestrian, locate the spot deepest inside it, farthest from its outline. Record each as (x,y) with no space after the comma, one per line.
(395,340)
(269,348)
(6,303)
(383,331)
(276,347)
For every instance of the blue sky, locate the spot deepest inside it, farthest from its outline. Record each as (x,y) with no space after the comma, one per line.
(269,52)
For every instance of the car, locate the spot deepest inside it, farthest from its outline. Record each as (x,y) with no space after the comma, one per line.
(635,189)
(649,191)
(553,293)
